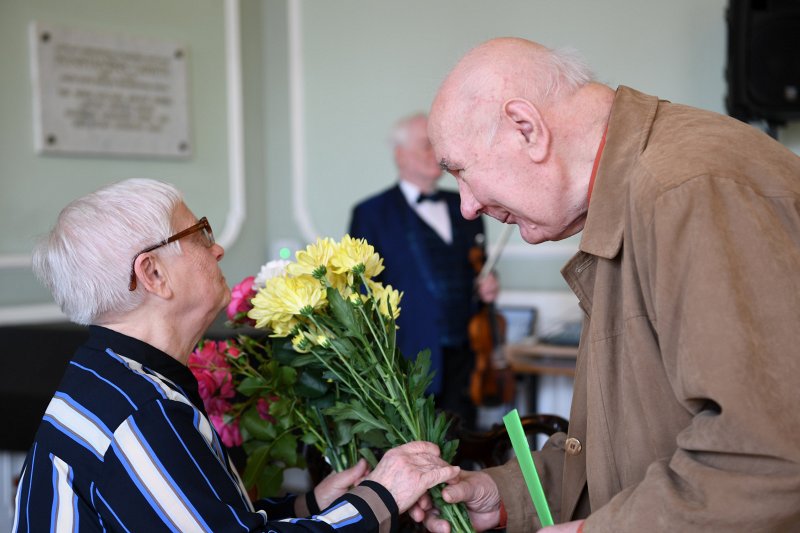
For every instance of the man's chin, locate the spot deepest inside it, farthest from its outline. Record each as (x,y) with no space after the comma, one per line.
(533,236)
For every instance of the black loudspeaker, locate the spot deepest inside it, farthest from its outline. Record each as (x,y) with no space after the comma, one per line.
(763,70)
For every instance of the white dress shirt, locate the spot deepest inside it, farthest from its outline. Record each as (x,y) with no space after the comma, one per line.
(434,213)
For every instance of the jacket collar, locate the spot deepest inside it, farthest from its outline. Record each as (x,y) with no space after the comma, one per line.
(632,116)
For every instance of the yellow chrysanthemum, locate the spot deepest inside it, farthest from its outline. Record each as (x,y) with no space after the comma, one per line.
(354,252)
(282,301)
(314,256)
(300,343)
(386,297)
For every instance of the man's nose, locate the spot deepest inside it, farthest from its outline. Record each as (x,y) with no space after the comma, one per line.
(470,207)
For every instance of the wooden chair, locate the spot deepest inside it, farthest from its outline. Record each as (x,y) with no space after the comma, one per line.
(482,449)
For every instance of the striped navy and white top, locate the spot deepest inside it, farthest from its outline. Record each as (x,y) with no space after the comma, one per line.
(125,445)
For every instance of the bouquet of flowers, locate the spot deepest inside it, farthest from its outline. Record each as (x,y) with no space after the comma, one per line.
(329,373)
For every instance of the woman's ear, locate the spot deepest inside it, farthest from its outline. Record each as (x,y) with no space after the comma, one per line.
(530,124)
(152,275)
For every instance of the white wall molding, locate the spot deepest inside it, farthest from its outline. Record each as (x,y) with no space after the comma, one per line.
(26,314)
(297,131)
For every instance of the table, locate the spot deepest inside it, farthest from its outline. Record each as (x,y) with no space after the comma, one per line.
(532,357)
(531,360)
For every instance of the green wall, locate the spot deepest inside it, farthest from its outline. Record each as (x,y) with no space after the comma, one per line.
(365,63)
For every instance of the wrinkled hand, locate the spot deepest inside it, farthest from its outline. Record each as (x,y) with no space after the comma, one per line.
(408,471)
(488,288)
(476,489)
(566,527)
(337,483)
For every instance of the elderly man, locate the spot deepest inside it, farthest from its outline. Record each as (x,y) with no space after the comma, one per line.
(125,443)
(684,414)
(425,244)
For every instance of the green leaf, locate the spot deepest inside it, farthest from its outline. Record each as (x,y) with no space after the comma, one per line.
(419,375)
(285,449)
(283,352)
(281,407)
(375,438)
(256,462)
(448,450)
(367,454)
(270,481)
(323,402)
(302,359)
(310,386)
(250,386)
(287,375)
(343,433)
(342,310)
(257,427)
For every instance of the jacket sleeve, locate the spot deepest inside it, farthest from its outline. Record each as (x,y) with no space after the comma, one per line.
(726,299)
(514,492)
(166,469)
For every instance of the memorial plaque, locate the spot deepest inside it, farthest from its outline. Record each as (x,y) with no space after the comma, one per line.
(110,95)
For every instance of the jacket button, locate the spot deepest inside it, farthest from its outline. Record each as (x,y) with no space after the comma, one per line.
(573,446)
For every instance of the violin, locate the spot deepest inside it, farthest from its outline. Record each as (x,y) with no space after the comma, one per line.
(489,385)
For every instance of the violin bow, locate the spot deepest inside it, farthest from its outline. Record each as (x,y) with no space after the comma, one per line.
(497,250)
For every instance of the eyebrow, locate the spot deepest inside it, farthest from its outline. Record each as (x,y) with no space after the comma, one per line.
(444,164)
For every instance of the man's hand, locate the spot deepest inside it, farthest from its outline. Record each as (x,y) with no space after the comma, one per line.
(408,471)
(476,489)
(488,288)
(337,483)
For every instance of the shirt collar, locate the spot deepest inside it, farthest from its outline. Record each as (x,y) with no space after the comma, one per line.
(410,191)
(101,338)
(632,116)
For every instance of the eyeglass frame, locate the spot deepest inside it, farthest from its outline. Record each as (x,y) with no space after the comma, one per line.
(202,224)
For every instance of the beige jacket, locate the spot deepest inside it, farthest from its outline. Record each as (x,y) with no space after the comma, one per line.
(686,410)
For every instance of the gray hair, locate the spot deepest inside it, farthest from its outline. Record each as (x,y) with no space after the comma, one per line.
(400,135)
(560,71)
(86,258)
(547,77)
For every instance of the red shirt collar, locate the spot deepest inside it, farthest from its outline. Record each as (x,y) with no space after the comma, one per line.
(596,164)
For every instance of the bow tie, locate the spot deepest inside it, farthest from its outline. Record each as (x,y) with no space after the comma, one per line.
(435,196)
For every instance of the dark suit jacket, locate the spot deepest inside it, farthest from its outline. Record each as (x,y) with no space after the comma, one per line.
(389,224)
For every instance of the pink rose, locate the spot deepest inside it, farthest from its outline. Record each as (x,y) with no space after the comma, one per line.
(241,295)
(206,385)
(229,433)
(263,409)
(216,406)
(211,369)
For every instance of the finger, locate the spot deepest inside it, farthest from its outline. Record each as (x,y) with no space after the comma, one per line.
(425,502)
(416,514)
(440,475)
(435,524)
(420,447)
(457,493)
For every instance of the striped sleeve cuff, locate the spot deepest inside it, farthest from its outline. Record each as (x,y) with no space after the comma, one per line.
(378,501)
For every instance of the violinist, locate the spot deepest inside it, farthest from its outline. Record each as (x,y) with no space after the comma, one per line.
(425,244)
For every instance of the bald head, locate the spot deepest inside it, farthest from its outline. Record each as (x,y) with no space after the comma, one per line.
(501,69)
(518,125)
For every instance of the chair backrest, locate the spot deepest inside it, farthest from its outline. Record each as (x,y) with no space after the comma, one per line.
(482,449)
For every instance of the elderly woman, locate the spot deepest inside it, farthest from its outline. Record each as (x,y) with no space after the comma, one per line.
(125,443)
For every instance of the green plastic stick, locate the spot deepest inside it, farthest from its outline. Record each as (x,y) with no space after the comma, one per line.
(520,444)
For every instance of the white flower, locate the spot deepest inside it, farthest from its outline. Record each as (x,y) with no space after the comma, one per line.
(269,271)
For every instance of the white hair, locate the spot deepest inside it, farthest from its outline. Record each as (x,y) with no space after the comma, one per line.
(86,258)
(400,134)
(544,78)
(559,72)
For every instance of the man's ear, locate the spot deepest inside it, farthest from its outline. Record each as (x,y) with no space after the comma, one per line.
(528,121)
(151,275)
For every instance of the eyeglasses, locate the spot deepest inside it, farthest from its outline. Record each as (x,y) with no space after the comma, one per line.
(202,225)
